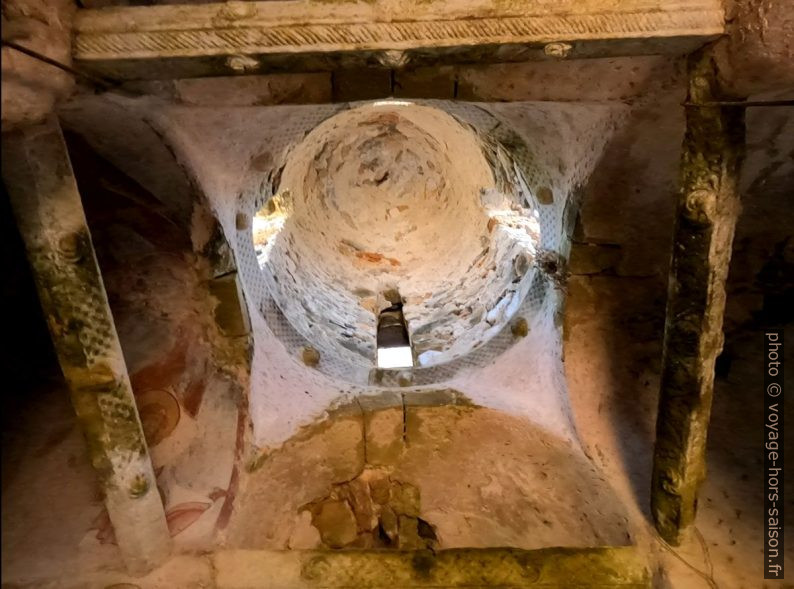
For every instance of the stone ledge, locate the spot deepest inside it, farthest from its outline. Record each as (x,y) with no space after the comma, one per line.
(489,567)
(549,568)
(150,42)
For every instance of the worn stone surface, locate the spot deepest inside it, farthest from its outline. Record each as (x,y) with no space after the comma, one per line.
(555,567)
(706,218)
(385,435)
(757,53)
(434,397)
(465,477)
(332,451)
(361,84)
(617,78)
(309,88)
(374,510)
(628,201)
(427,82)
(136,146)
(43,191)
(593,258)
(336,523)
(31,88)
(231,312)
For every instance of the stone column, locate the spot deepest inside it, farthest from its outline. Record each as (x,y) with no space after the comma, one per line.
(43,193)
(708,207)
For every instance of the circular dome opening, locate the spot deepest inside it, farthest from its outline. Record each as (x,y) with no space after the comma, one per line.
(396,208)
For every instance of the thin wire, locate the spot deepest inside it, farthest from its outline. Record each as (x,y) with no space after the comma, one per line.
(102,83)
(740,104)
(709,578)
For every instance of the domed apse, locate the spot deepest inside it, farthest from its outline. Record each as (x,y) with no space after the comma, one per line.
(395,207)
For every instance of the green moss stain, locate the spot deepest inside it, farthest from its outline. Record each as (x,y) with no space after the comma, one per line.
(422,563)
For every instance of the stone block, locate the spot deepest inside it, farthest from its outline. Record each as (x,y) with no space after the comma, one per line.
(594,258)
(384,428)
(409,534)
(405,499)
(336,523)
(433,398)
(361,84)
(246,569)
(426,82)
(384,436)
(313,88)
(386,400)
(620,78)
(304,536)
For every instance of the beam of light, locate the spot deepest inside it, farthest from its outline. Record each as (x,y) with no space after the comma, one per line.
(392,102)
(265,228)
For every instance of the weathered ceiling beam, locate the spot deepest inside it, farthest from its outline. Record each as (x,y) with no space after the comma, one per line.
(49,213)
(708,207)
(546,568)
(180,41)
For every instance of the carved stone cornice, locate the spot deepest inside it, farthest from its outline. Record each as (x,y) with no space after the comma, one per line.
(253,37)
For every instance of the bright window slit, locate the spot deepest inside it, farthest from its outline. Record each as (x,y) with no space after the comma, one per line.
(395,357)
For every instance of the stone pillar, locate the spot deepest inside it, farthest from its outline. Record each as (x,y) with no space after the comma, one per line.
(708,207)
(43,193)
